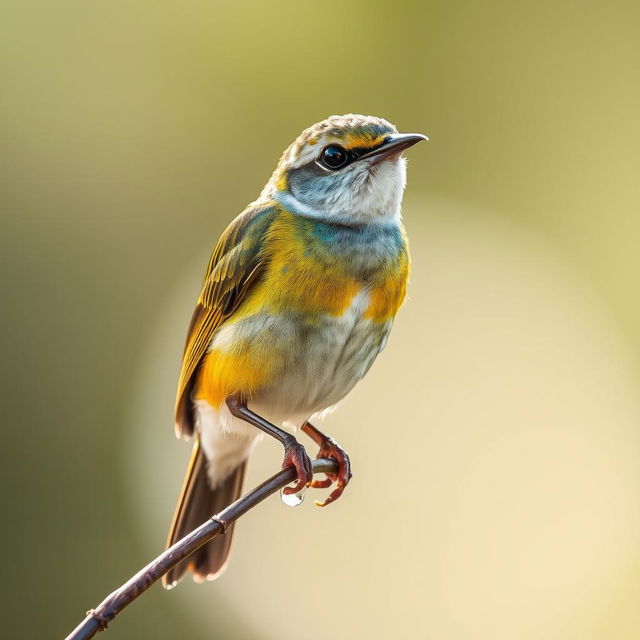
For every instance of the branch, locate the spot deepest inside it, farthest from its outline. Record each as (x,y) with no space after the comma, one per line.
(97,619)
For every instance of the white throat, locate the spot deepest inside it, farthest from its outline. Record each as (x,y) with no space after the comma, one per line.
(374,196)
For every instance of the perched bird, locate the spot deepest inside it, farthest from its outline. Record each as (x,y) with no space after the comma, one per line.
(297,301)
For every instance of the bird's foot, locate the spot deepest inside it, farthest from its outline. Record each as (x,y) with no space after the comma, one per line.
(296,456)
(331,449)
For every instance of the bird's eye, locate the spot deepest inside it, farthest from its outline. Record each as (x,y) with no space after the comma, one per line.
(333,157)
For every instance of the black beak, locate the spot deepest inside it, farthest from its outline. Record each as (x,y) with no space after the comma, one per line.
(394,144)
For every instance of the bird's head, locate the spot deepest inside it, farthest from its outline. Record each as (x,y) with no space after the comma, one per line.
(348,169)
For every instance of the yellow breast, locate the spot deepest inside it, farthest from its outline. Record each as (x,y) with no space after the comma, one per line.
(299,282)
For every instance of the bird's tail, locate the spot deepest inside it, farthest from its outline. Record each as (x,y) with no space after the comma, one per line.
(197,503)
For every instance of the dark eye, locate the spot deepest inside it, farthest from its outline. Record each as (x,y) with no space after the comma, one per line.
(333,157)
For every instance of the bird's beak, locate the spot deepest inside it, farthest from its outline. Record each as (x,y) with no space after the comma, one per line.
(394,144)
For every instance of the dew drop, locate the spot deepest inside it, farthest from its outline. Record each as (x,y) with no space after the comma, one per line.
(293,499)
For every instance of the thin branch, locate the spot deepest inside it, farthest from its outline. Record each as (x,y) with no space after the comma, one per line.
(97,619)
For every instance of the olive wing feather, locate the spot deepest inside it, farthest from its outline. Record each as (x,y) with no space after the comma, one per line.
(235,266)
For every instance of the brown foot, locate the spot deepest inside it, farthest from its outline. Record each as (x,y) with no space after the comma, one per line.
(296,456)
(329,448)
(294,453)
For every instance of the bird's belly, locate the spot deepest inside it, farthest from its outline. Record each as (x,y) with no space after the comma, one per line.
(333,354)
(306,362)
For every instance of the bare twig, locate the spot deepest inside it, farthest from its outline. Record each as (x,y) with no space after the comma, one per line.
(97,619)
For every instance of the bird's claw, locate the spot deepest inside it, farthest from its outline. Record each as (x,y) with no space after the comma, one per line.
(296,456)
(331,449)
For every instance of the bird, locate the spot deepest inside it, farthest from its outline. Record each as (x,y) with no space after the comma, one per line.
(297,301)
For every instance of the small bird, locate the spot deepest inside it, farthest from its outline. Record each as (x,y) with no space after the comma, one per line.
(297,301)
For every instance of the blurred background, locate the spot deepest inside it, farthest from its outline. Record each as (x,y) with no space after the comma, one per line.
(496,443)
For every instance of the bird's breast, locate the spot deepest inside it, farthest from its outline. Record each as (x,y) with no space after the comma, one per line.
(316,268)
(314,323)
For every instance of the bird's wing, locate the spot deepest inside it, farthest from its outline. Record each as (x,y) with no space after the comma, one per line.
(235,265)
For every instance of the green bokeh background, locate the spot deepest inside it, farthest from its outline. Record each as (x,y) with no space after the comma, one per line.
(132,132)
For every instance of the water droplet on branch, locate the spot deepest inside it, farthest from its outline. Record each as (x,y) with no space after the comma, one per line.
(293,499)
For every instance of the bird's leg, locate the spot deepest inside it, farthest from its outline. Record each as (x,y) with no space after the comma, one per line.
(294,453)
(329,448)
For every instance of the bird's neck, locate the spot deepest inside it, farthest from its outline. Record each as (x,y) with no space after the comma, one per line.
(353,214)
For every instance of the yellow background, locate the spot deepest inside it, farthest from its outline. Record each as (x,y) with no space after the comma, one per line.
(495,444)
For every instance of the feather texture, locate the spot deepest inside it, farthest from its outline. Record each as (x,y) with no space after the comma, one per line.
(234,267)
